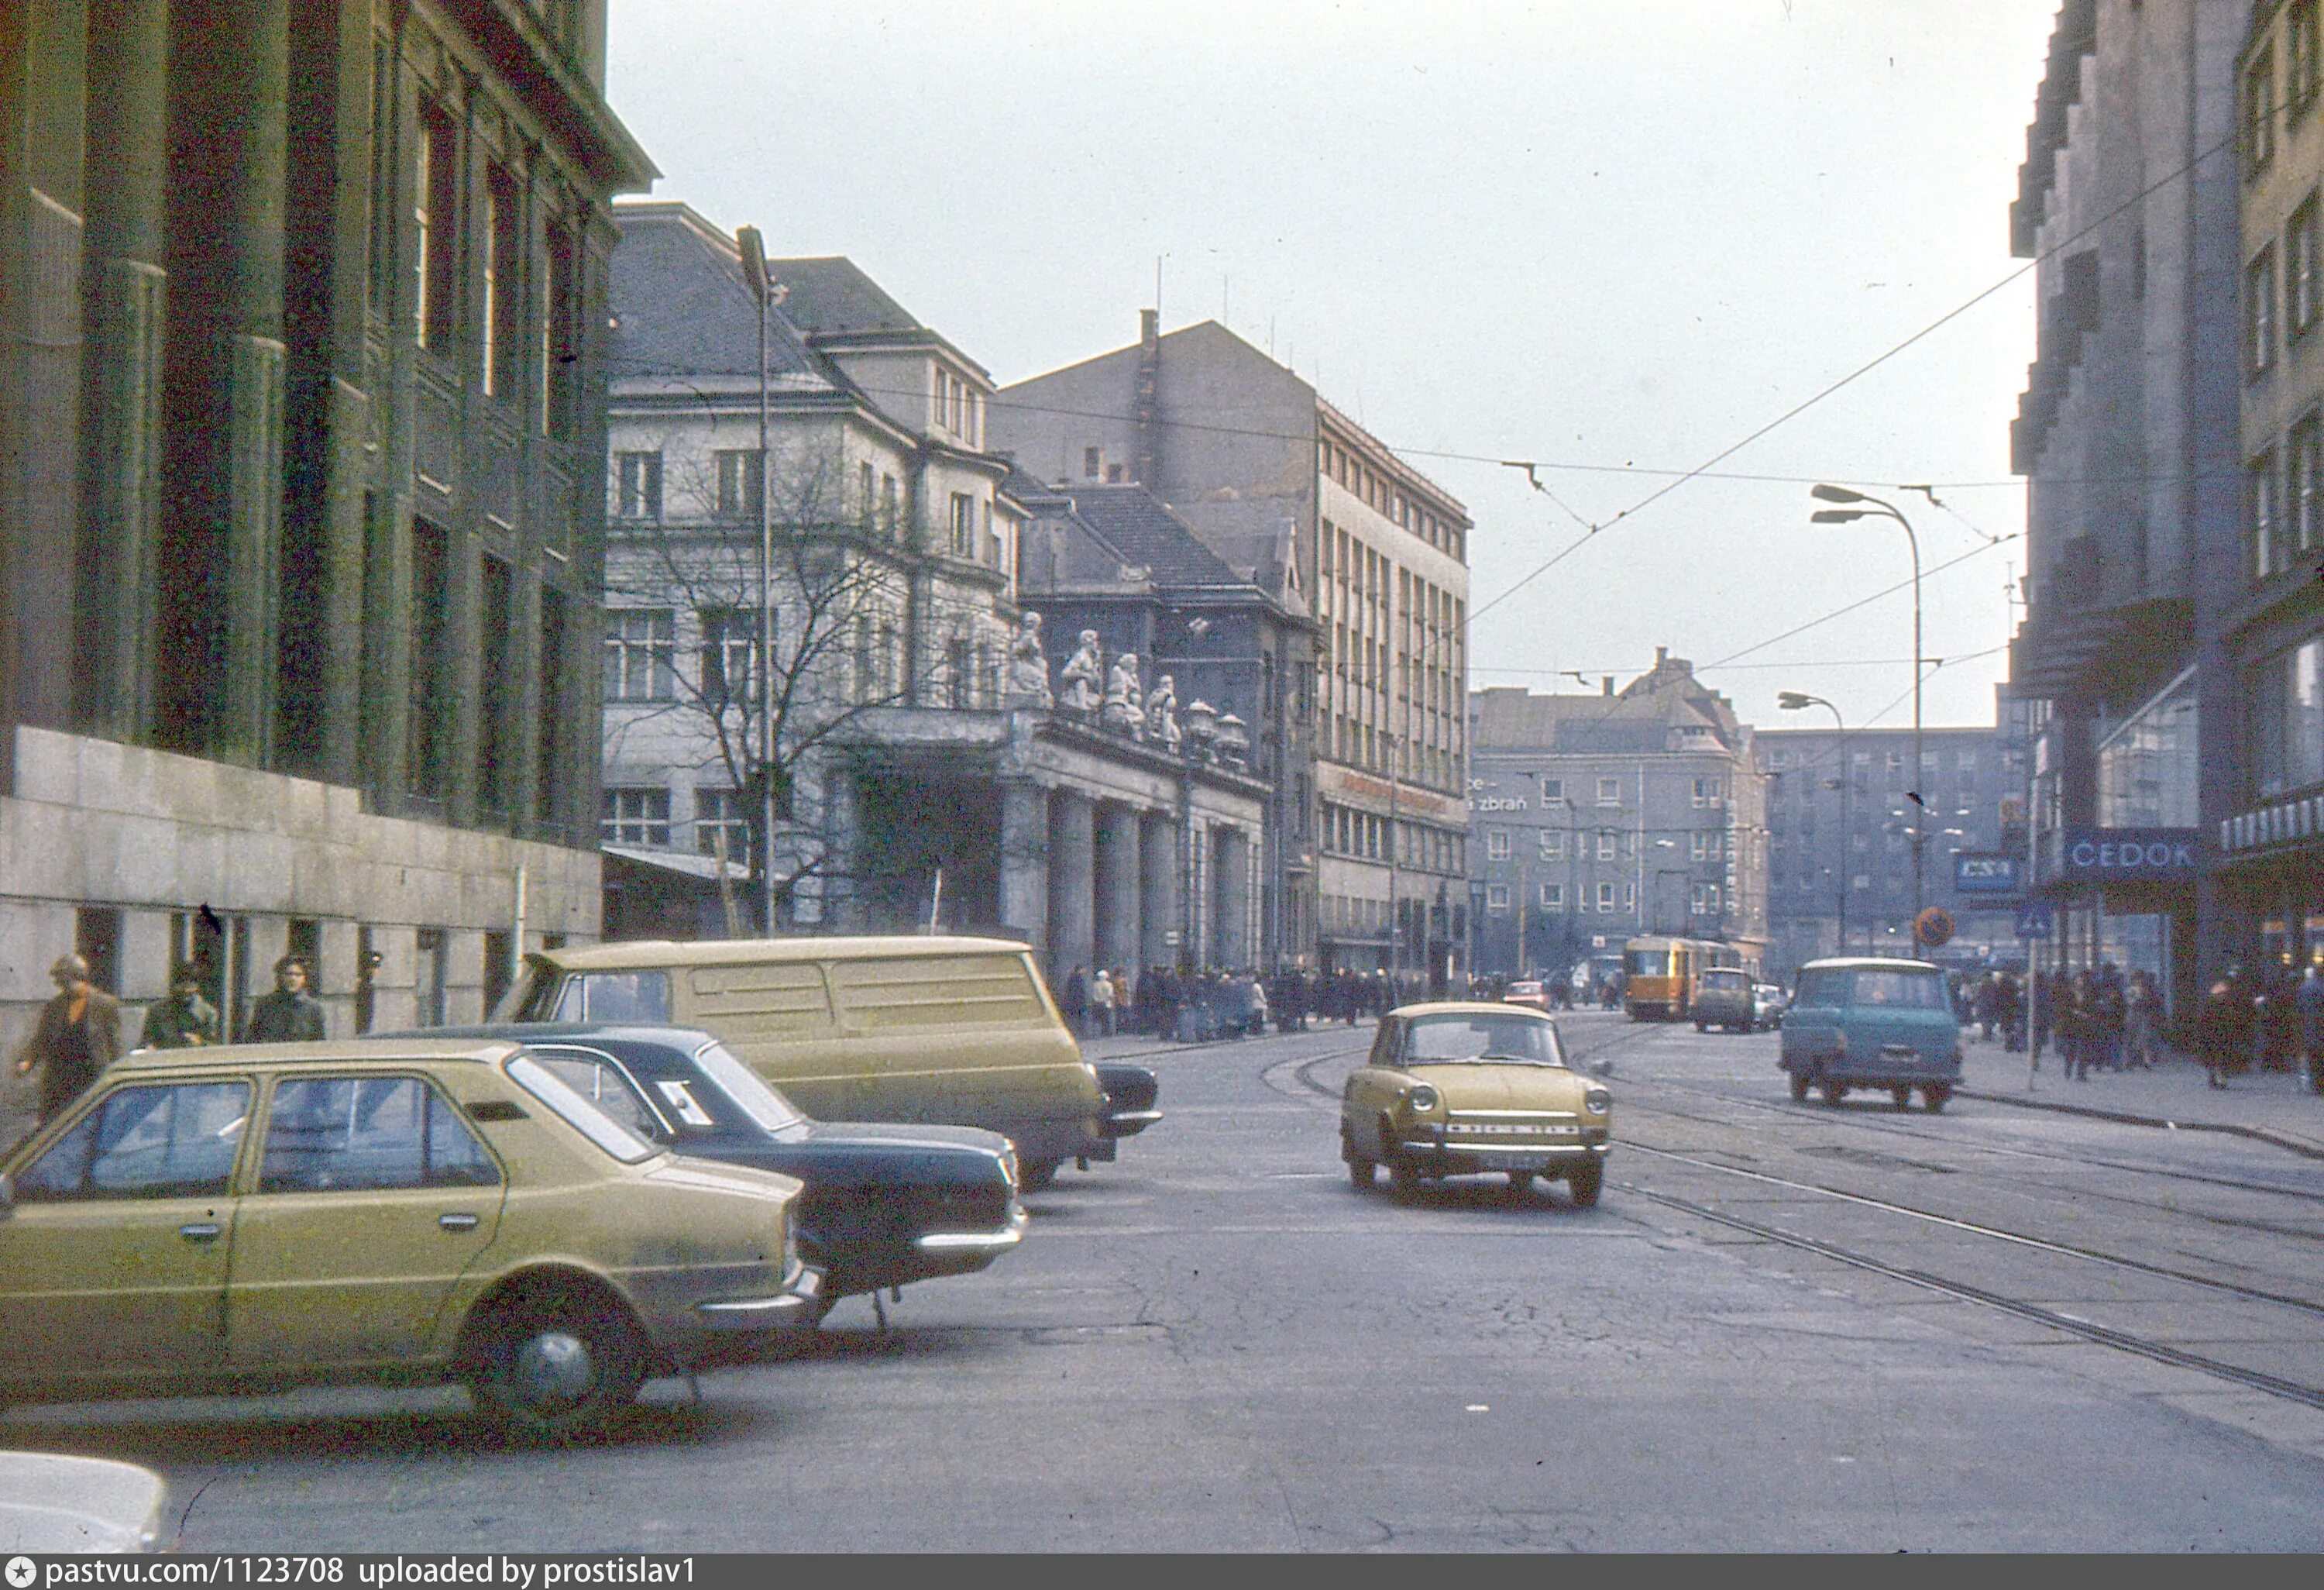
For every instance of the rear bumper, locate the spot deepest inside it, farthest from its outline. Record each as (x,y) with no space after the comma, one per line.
(1127,1122)
(789,1310)
(986,1246)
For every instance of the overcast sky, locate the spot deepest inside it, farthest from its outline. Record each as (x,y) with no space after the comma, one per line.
(1612,239)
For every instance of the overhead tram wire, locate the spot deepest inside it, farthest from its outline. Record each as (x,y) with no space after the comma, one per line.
(1860,371)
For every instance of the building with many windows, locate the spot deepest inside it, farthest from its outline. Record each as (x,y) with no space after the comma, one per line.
(1297,497)
(301,423)
(935,756)
(1595,819)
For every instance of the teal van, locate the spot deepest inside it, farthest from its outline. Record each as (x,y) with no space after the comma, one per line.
(1865,1022)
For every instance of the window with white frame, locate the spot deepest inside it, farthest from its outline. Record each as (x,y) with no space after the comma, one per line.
(635,817)
(1553,791)
(1552,897)
(1497,844)
(1711,792)
(1497,897)
(1552,845)
(1705,900)
(729,642)
(1706,846)
(638,494)
(963,525)
(2259,311)
(739,480)
(2266,536)
(1605,897)
(1629,897)
(1610,791)
(2300,263)
(1608,843)
(2304,483)
(720,817)
(641,649)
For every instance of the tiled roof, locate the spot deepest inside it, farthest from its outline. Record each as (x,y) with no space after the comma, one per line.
(679,306)
(1145,529)
(831,295)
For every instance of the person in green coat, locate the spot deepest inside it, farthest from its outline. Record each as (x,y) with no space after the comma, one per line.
(183,1021)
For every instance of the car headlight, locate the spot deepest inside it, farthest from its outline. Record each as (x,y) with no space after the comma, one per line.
(1423,1097)
(1598,1101)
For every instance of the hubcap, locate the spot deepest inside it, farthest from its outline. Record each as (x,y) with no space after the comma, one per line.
(553,1367)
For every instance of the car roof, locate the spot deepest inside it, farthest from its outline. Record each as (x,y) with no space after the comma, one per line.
(667,1034)
(1466,1007)
(1870,963)
(714,952)
(338,1052)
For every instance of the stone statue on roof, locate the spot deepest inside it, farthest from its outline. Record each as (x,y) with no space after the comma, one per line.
(1162,714)
(1125,698)
(1083,680)
(1029,668)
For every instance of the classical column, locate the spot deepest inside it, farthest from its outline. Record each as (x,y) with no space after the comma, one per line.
(1025,862)
(1234,897)
(1072,884)
(1158,846)
(1118,879)
(128,134)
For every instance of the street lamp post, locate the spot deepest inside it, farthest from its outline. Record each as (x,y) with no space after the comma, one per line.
(755,276)
(1799,701)
(1880,510)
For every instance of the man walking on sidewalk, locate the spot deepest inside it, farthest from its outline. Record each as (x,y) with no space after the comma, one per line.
(78,1036)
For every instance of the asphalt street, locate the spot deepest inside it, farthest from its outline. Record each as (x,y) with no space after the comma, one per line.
(1787,1326)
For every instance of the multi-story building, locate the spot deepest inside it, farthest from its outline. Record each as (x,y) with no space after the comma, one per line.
(1595,819)
(1370,765)
(301,413)
(2269,825)
(1840,832)
(2126,435)
(936,757)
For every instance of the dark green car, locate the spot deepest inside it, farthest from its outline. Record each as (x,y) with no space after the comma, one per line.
(1872,1024)
(1723,999)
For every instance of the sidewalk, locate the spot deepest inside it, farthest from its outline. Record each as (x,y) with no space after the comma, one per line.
(2267,1107)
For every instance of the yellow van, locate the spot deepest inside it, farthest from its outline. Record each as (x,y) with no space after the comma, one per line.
(958,1031)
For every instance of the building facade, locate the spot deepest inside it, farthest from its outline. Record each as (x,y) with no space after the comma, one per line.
(1596,818)
(300,409)
(936,757)
(2126,435)
(1369,763)
(2269,834)
(1840,828)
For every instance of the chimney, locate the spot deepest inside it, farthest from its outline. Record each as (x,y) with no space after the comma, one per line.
(1662,655)
(1607,686)
(1150,375)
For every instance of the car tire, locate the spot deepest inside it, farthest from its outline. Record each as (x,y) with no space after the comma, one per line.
(1903,1096)
(1360,1171)
(1934,1096)
(558,1366)
(1585,1182)
(1833,1092)
(1702,1026)
(1033,1175)
(1799,1088)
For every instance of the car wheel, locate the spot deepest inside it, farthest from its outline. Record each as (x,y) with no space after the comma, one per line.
(1833,1092)
(1935,1094)
(556,1367)
(1033,1175)
(1585,1182)
(1903,1096)
(1360,1171)
(1799,1088)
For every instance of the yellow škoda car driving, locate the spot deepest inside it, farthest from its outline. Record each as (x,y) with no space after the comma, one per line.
(1452,1089)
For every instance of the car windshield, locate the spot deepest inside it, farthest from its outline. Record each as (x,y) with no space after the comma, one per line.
(578,1112)
(1897,989)
(1437,1039)
(739,1083)
(1726,980)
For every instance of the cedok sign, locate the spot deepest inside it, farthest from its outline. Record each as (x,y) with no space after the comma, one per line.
(2127,855)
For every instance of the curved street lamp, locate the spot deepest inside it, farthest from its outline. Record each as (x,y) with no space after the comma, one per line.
(1800,701)
(1877,509)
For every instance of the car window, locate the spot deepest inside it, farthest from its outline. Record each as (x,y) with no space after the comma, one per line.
(366,1133)
(606,1085)
(1910,991)
(1472,1037)
(614,997)
(1722,980)
(1823,986)
(751,1095)
(578,1112)
(170,1141)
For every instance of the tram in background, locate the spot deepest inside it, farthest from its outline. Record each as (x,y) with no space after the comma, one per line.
(1660,975)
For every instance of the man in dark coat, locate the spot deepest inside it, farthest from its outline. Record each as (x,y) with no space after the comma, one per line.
(79,1035)
(183,1021)
(289,1015)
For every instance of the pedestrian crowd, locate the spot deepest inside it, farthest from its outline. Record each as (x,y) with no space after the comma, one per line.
(1197,1005)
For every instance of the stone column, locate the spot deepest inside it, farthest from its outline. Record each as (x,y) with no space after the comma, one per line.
(1025,862)
(1072,864)
(1118,879)
(1158,846)
(1234,899)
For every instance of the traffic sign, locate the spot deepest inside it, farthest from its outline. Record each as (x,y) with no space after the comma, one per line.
(1933,926)
(2034,919)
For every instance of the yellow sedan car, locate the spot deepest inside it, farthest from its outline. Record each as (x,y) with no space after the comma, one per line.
(269,1215)
(1453,1089)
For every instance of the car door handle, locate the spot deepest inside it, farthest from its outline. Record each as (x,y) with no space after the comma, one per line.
(457,1221)
(199,1232)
